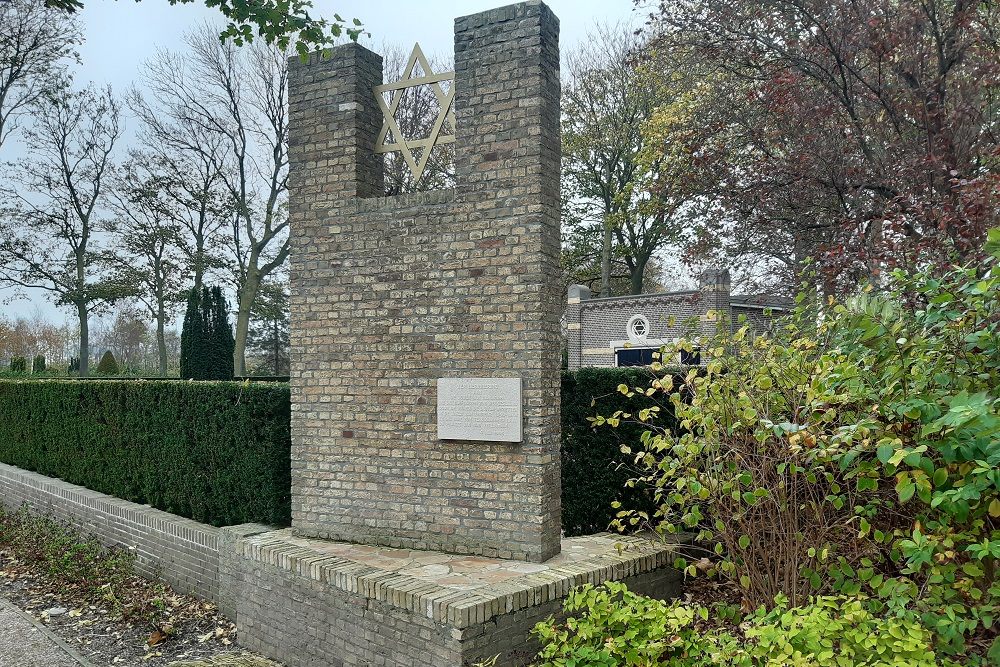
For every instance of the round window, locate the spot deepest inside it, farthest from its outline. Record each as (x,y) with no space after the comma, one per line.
(638,327)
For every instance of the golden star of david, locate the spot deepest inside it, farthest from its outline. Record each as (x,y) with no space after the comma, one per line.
(447,113)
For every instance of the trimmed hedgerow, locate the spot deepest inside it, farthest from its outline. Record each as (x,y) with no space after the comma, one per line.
(219,452)
(216,452)
(594,470)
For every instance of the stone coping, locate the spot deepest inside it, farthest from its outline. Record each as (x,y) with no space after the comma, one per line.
(103,505)
(460,591)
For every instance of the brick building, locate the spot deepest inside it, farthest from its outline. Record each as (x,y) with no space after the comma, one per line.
(627,330)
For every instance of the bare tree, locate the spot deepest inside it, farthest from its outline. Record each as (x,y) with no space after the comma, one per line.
(150,241)
(125,333)
(50,220)
(189,158)
(239,97)
(35,42)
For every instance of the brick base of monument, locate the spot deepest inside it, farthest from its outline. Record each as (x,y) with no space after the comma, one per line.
(317,603)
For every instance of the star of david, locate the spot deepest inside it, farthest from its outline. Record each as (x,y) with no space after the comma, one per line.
(445,98)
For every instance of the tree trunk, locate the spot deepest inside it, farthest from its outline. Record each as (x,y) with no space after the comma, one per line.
(276,348)
(81,311)
(199,264)
(161,342)
(606,258)
(638,277)
(245,297)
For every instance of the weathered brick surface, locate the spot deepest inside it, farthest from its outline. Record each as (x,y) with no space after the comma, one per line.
(391,293)
(295,601)
(310,608)
(182,552)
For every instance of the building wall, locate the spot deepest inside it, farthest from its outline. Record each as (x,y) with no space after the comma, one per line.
(388,294)
(759,319)
(604,321)
(596,327)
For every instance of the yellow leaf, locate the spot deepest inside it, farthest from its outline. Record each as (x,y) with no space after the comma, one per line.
(995,508)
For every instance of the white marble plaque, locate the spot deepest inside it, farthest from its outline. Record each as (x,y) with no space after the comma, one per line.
(479,409)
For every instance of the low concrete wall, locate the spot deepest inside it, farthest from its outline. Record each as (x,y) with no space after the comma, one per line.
(182,552)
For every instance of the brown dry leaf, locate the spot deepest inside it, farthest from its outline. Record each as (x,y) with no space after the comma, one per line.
(158,637)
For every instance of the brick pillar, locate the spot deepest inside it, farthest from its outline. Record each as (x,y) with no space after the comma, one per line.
(333,121)
(574,324)
(507,105)
(508,156)
(716,312)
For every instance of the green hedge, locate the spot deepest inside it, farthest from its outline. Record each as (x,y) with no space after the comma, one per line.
(217,452)
(592,472)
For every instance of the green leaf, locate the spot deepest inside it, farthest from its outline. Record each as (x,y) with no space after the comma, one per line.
(993,655)
(905,487)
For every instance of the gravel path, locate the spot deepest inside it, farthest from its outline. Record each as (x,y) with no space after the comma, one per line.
(24,643)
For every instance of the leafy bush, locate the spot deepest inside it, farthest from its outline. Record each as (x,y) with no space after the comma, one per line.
(593,474)
(217,452)
(18,365)
(108,365)
(74,365)
(856,450)
(611,626)
(38,365)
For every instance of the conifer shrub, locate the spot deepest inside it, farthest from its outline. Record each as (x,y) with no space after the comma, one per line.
(38,365)
(108,365)
(595,473)
(207,342)
(18,365)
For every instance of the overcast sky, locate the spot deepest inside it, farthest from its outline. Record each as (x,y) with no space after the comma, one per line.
(121,35)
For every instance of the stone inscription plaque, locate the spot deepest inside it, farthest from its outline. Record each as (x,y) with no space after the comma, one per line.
(479,409)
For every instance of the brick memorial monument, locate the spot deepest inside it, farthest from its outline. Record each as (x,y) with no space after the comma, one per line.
(425,373)
(390,294)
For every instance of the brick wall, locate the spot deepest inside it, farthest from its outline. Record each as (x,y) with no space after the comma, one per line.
(603,322)
(306,607)
(293,600)
(182,552)
(391,293)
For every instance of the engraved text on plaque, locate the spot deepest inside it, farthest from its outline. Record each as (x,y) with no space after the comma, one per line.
(479,409)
